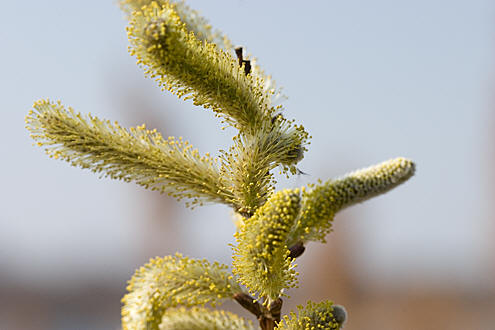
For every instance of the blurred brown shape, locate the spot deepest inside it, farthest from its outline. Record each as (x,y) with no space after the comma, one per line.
(328,274)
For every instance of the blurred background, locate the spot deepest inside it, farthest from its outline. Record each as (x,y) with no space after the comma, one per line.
(370,80)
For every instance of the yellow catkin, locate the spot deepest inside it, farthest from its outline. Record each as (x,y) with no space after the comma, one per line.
(315,316)
(197,69)
(203,30)
(191,67)
(136,154)
(198,318)
(192,19)
(180,50)
(261,258)
(171,281)
(249,161)
(320,202)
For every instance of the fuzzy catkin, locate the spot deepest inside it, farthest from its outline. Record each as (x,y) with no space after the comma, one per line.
(171,281)
(314,316)
(196,69)
(181,51)
(261,258)
(198,318)
(320,202)
(136,154)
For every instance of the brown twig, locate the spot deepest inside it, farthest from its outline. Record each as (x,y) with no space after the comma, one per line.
(276,309)
(267,317)
(247,66)
(242,61)
(267,323)
(238,52)
(249,303)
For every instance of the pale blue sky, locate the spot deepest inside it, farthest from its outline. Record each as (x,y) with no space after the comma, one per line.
(370,80)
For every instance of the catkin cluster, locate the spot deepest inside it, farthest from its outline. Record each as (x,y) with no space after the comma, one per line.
(180,50)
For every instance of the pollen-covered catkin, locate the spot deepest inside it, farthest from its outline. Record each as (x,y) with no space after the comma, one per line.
(203,30)
(136,154)
(315,316)
(197,69)
(261,258)
(199,318)
(179,49)
(192,19)
(321,202)
(249,161)
(171,281)
(181,61)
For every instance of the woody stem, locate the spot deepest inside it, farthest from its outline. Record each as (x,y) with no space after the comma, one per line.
(267,317)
